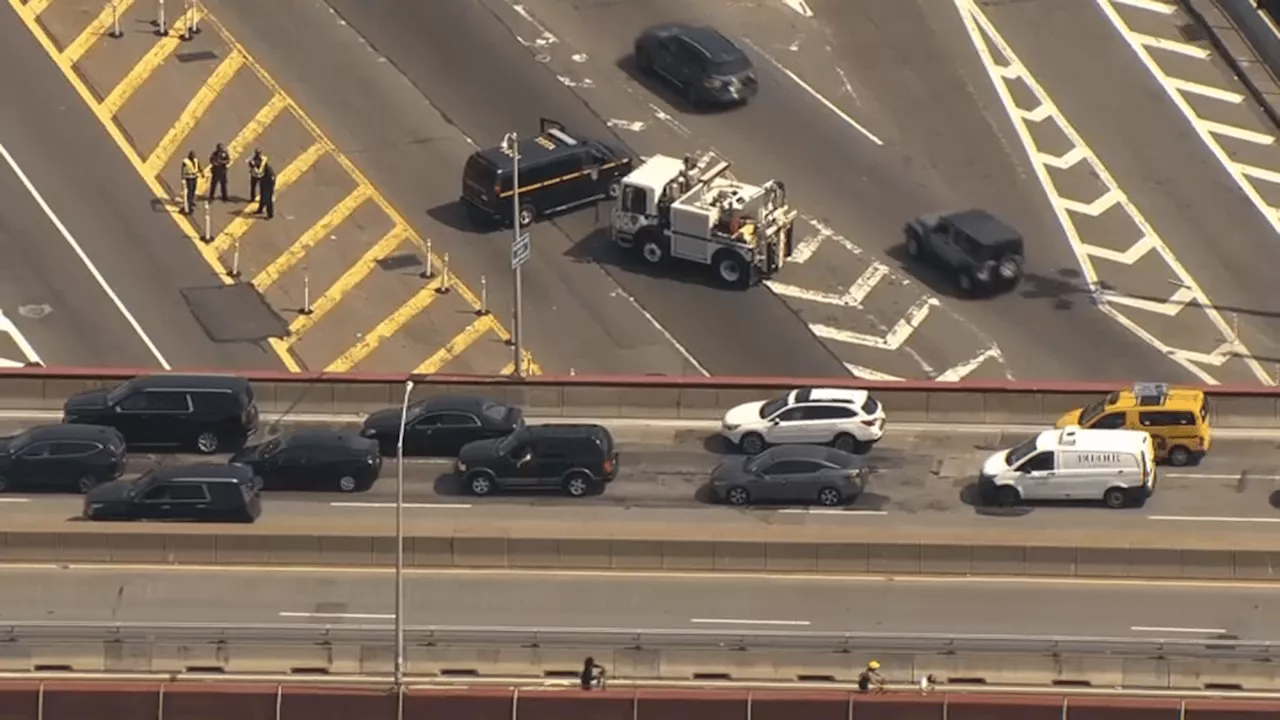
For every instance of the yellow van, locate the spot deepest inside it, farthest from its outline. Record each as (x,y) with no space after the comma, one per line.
(1177,419)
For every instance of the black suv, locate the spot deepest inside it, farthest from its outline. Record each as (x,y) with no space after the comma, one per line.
(578,459)
(206,413)
(984,254)
(202,493)
(702,63)
(314,460)
(61,457)
(557,172)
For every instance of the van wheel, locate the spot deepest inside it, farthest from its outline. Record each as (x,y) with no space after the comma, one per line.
(829,497)
(527,215)
(1179,456)
(1007,496)
(207,442)
(732,269)
(481,484)
(738,496)
(1116,498)
(347,484)
(751,444)
(577,485)
(87,483)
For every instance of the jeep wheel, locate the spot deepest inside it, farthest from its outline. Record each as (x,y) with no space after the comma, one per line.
(643,62)
(915,250)
(1010,269)
(732,269)
(964,280)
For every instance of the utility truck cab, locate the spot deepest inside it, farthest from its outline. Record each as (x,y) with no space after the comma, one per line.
(1071,463)
(691,209)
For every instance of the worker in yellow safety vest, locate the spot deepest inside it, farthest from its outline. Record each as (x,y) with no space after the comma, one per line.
(190,175)
(257,166)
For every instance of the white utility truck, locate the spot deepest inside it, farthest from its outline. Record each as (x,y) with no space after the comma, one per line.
(692,209)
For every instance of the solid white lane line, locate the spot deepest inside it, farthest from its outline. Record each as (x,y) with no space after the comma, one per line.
(419,506)
(84,258)
(339,616)
(1193,518)
(1220,476)
(821,511)
(730,621)
(14,500)
(1204,631)
(817,96)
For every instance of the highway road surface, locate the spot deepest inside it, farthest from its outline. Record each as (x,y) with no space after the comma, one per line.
(84,251)
(644,601)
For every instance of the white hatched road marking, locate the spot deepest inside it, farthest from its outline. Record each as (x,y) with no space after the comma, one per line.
(1174,88)
(30,357)
(988,41)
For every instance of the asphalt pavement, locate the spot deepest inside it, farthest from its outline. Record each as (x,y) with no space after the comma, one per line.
(705,604)
(102,204)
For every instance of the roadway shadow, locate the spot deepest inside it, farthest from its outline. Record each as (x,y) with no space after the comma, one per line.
(970,496)
(717,444)
(669,94)
(454,216)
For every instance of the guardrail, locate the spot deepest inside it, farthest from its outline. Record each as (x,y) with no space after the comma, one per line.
(1246,18)
(643,396)
(638,639)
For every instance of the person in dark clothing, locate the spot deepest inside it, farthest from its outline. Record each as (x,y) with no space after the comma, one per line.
(219,159)
(592,674)
(257,164)
(190,176)
(267,187)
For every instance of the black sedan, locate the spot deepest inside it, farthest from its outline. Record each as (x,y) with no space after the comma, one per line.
(440,426)
(701,62)
(790,474)
(314,460)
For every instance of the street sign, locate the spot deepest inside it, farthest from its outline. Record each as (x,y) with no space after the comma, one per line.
(521,248)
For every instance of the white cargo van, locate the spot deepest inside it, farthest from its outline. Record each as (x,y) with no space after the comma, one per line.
(1115,466)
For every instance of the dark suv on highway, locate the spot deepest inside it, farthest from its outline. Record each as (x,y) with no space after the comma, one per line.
(199,493)
(61,457)
(578,459)
(981,252)
(206,413)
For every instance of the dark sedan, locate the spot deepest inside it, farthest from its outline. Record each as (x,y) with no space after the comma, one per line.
(314,460)
(440,426)
(790,474)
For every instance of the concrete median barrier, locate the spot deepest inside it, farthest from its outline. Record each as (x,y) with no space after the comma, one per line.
(300,700)
(159,545)
(1024,403)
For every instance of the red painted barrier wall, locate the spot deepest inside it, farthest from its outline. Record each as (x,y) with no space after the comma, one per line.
(228,701)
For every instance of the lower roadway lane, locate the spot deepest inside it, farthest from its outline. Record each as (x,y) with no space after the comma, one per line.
(644,601)
(97,195)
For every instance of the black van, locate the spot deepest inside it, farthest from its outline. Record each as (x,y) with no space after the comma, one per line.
(200,493)
(206,413)
(557,172)
(575,458)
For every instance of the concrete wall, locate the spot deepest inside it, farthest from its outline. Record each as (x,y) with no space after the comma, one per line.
(162,546)
(646,396)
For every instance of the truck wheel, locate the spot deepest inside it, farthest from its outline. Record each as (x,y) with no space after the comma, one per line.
(732,269)
(653,248)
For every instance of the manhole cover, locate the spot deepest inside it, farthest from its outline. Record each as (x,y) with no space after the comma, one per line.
(35,312)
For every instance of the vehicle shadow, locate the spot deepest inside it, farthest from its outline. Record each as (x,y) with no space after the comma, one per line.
(454,216)
(969,495)
(452,486)
(597,247)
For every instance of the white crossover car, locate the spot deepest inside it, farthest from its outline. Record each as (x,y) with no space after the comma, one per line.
(849,420)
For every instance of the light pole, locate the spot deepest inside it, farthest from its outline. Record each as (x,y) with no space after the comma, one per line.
(399,609)
(511,145)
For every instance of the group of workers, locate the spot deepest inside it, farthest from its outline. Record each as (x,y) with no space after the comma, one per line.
(262,180)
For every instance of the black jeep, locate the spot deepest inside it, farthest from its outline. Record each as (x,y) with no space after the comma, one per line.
(983,254)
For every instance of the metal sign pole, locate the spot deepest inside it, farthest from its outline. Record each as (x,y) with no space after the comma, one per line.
(518,336)
(399,605)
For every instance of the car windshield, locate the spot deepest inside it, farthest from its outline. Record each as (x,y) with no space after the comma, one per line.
(20,441)
(1090,412)
(270,447)
(495,412)
(507,444)
(730,66)
(1020,452)
(142,484)
(773,407)
(762,460)
(119,392)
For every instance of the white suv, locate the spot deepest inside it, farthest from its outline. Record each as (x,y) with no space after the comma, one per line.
(849,420)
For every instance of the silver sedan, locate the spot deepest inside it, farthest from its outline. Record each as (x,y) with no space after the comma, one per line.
(790,474)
